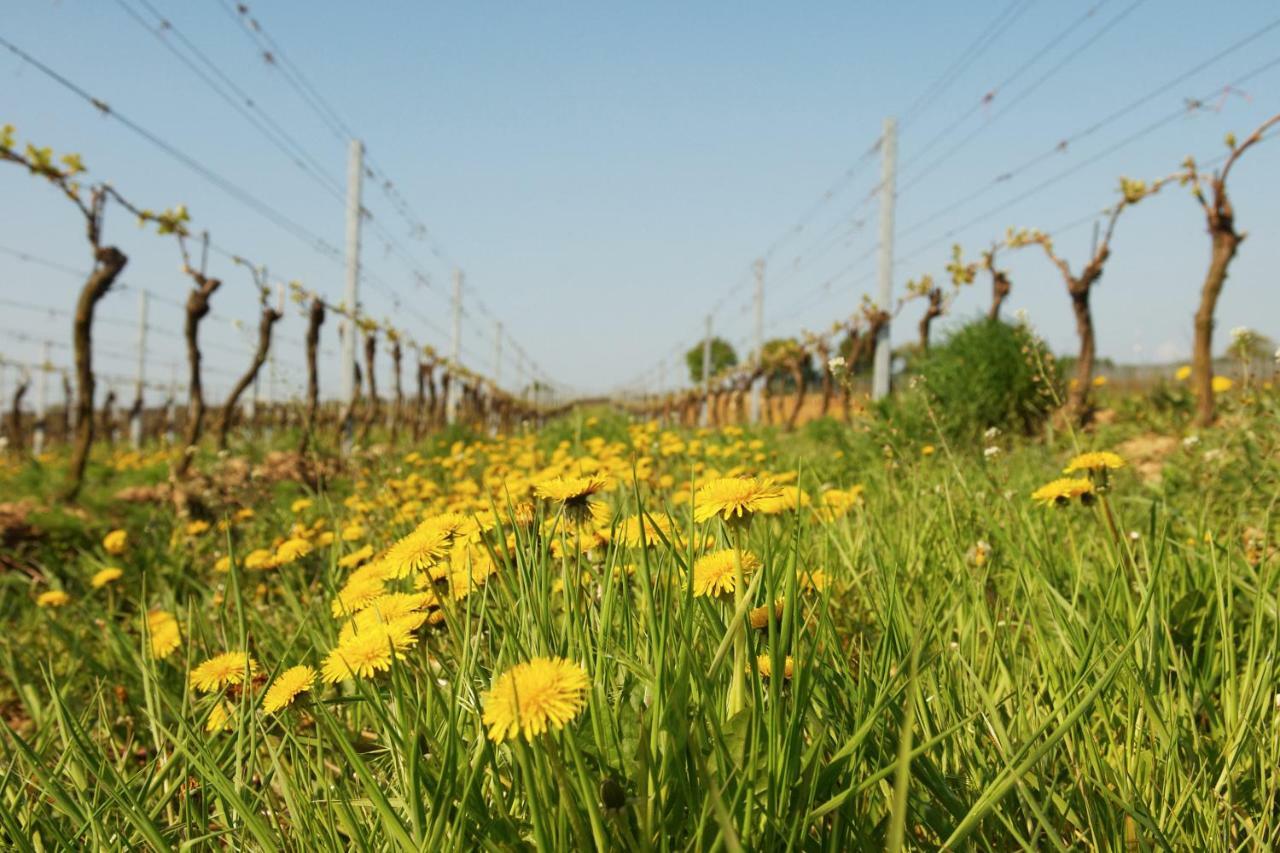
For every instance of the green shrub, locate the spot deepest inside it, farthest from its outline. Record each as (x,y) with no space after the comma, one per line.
(988,373)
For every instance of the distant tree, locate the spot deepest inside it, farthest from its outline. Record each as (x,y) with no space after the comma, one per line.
(723,357)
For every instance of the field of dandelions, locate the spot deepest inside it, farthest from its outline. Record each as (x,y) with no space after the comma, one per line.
(605,634)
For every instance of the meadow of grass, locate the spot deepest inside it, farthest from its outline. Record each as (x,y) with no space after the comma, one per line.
(908,652)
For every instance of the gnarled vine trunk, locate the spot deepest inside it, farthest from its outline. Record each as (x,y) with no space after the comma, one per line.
(315,319)
(931,313)
(1081,384)
(17,435)
(396,413)
(268,319)
(108,263)
(1000,287)
(371,412)
(1226,242)
(197,310)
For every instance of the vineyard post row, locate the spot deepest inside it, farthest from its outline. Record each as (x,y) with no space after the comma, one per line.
(722,398)
(463,396)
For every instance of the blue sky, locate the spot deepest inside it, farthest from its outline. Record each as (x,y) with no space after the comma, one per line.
(606,174)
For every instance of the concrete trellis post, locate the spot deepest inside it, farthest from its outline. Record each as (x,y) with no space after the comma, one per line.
(888,195)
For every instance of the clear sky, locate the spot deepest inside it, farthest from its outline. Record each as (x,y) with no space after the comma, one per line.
(606,174)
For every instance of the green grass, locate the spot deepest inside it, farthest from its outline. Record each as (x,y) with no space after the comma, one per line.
(1075,690)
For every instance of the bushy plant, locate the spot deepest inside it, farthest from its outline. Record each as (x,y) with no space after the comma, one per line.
(988,373)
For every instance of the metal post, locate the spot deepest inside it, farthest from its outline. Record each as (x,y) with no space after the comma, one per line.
(42,397)
(140,379)
(351,299)
(888,194)
(706,375)
(455,349)
(756,387)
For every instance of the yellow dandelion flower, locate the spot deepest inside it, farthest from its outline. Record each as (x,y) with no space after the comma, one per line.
(1094,461)
(222,564)
(836,503)
(356,557)
(816,580)
(115,542)
(1223,384)
(653,527)
(760,615)
(393,605)
(1061,491)
(288,686)
(52,598)
(399,627)
(244,514)
(764,665)
(105,576)
(523,514)
(732,498)
(290,550)
(789,498)
(219,719)
(300,505)
(574,494)
(164,632)
(357,595)
(928,450)
(195,528)
(713,574)
(422,548)
(1183,373)
(365,654)
(219,671)
(260,559)
(353,533)
(534,697)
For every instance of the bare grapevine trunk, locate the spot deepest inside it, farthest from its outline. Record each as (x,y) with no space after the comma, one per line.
(371,412)
(1225,244)
(824,364)
(1078,393)
(396,358)
(347,416)
(433,398)
(65,431)
(268,319)
(17,435)
(931,313)
(108,263)
(442,404)
(197,310)
(315,319)
(420,402)
(109,417)
(1000,288)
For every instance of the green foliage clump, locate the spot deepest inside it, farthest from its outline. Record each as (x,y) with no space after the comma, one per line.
(723,356)
(988,373)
